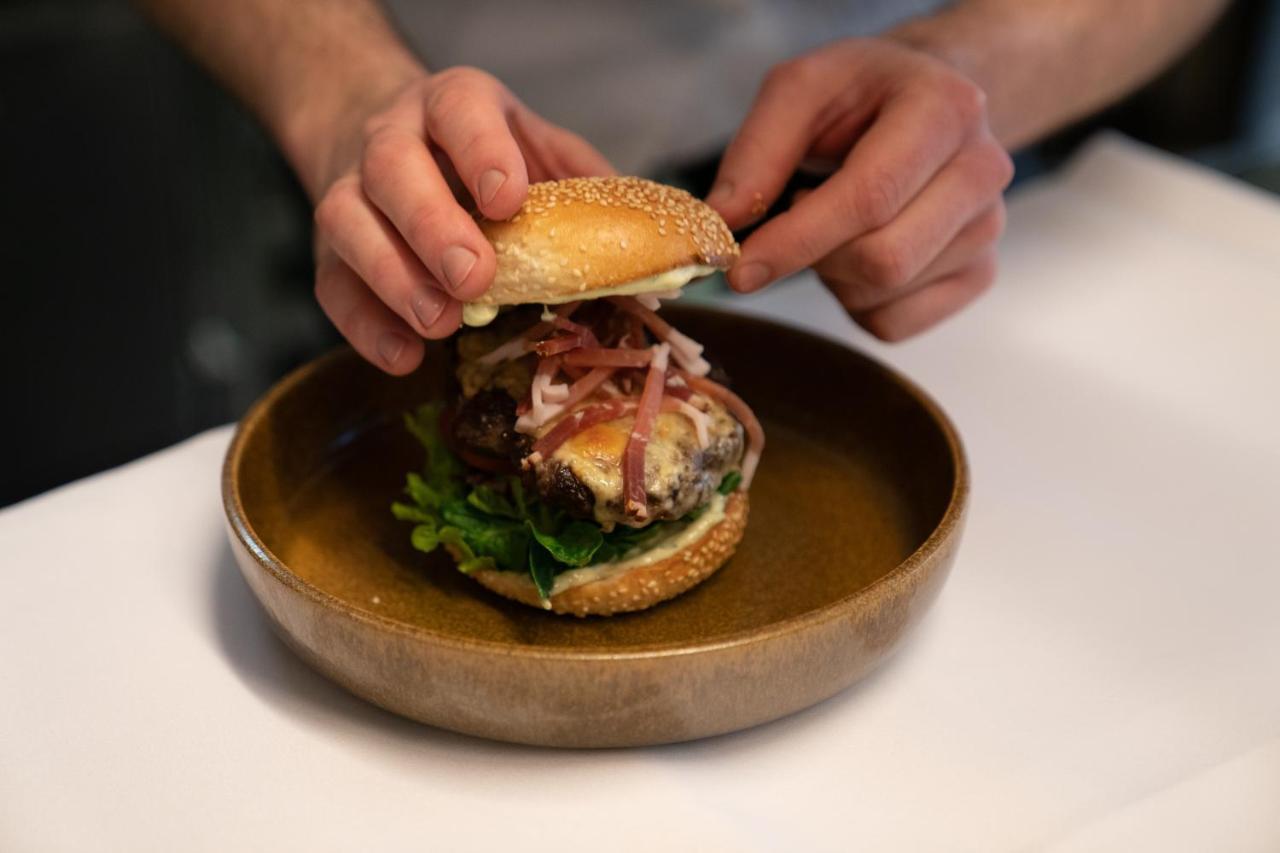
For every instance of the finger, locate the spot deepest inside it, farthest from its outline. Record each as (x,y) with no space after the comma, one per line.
(368,244)
(976,238)
(917,311)
(913,137)
(400,177)
(466,115)
(846,270)
(559,153)
(895,255)
(772,141)
(372,328)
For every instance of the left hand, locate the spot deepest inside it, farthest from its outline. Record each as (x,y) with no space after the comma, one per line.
(903,230)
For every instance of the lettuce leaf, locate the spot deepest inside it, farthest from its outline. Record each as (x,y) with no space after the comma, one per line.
(497,525)
(730,482)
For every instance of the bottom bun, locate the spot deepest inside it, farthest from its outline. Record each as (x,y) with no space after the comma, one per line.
(641,587)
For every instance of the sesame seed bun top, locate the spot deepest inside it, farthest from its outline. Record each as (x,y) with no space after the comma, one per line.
(579,235)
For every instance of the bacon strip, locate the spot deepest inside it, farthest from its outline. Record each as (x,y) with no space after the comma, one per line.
(635,500)
(741,411)
(519,345)
(573,328)
(606,357)
(583,388)
(577,422)
(635,332)
(687,351)
(562,343)
(676,388)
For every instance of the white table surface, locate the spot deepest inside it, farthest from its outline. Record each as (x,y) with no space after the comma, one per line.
(1102,671)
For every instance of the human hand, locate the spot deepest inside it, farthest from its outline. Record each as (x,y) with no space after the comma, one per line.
(904,228)
(397,250)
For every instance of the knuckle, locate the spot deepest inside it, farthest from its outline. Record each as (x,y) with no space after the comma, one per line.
(991,225)
(853,296)
(966,99)
(877,198)
(984,270)
(327,295)
(382,152)
(804,244)
(775,78)
(806,70)
(385,273)
(373,125)
(328,211)
(423,228)
(333,206)
(796,73)
(1002,164)
(464,76)
(320,290)
(885,263)
(457,89)
(880,323)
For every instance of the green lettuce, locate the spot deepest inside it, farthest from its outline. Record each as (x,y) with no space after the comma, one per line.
(497,525)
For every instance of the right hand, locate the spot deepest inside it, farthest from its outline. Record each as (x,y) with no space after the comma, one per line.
(397,250)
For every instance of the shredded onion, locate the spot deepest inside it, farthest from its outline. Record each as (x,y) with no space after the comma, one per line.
(700,420)
(555,392)
(541,410)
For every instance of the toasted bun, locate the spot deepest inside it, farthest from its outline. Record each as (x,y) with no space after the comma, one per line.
(638,588)
(583,234)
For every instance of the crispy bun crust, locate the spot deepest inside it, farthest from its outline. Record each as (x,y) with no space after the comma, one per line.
(581,234)
(638,588)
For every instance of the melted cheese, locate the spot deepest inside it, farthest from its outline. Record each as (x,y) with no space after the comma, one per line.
(595,456)
(713,515)
(476,314)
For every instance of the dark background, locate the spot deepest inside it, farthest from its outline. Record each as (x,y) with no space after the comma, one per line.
(156,249)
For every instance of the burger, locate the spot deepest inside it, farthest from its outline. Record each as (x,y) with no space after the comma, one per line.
(592,460)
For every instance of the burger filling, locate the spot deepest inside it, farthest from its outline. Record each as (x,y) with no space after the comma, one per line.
(482,314)
(583,437)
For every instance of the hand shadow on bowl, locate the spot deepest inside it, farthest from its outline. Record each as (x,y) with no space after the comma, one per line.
(283,681)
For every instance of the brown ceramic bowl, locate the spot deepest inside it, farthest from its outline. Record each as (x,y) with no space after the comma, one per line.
(855,518)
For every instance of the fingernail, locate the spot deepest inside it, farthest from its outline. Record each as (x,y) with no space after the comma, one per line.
(458,261)
(390,345)
(490,182)
(721,192)
(751,277)
(428,304)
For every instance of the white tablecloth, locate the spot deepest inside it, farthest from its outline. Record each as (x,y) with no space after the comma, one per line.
(1101,673)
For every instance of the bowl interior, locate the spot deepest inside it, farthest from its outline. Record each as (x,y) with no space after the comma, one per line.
(858,471)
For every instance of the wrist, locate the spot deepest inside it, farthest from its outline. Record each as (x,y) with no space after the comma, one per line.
(984,47)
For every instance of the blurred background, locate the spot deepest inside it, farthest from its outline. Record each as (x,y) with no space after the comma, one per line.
(156,249)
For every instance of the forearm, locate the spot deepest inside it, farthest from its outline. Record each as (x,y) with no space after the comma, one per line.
(1045,63)
(300,66)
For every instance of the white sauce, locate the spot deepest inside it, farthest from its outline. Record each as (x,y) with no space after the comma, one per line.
(713,515)
(477,314)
